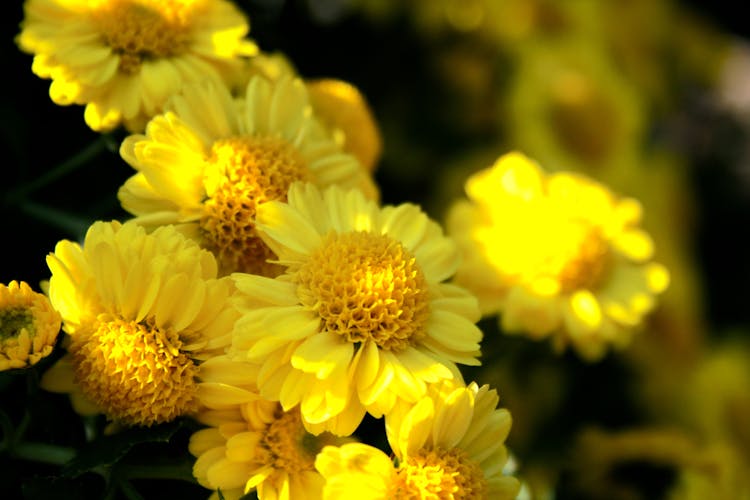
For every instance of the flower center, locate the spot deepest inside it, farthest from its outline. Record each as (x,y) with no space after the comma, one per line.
(13,320)
(584,258)
(583,119)
(287,446)
(135,372)
(439,474)
(365,287)
(242,173)
(139,30)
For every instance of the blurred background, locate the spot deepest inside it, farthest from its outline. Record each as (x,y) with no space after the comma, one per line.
(650,97)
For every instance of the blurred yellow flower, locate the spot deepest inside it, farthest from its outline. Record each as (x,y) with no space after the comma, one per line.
(343,109)
(124,58)
(210,162)
(259,447)
(449,445)
(571,109)
(140,311)
(28,326)
(716,401)
(556,255)
(361,317)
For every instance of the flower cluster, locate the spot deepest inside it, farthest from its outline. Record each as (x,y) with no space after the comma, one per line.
(309,338)
(260,288)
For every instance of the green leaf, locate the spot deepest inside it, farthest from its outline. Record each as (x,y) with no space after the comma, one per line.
(107,450)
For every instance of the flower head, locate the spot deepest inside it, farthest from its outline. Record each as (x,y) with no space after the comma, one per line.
(343,109)
(210,162)
(571,108)
(556,255)
(258,446)
(360,318)
(28,326)
(124,58)
(141,310)
(449,445)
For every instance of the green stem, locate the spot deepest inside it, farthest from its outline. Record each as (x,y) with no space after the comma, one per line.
(6,435)
(79,159)
(182,472)
(69,223)
(42,452)
(129,491)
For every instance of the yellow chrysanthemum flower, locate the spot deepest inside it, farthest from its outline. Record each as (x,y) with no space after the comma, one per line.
(141,311)
(556,255)
(209,163)
(124,58)
(570,108)
(450,445)
(257,446)
(361,317)
(28,326)
(702,467)
(342,109)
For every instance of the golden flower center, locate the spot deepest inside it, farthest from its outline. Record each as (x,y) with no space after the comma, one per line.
(584,120)
(366,287)
(287,446)
(134,371)
(244,172)
(583,258)
(439,474)
(13,320)
(142,30)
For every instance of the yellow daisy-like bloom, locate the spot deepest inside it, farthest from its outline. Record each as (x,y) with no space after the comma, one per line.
(124,58)
(28,326)
(256,446)
(210,162)
(141,310)
(571,109)
(342,109)
(557,255)
(448,446)
(360,318)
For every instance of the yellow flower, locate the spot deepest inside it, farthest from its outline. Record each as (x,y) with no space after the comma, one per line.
(715,399)
(141,310)
(341,108)
(360,318)
(124,58)
(571,109)
(209,163)
(556,255)
(449,445)
(258,446)
(28,326)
